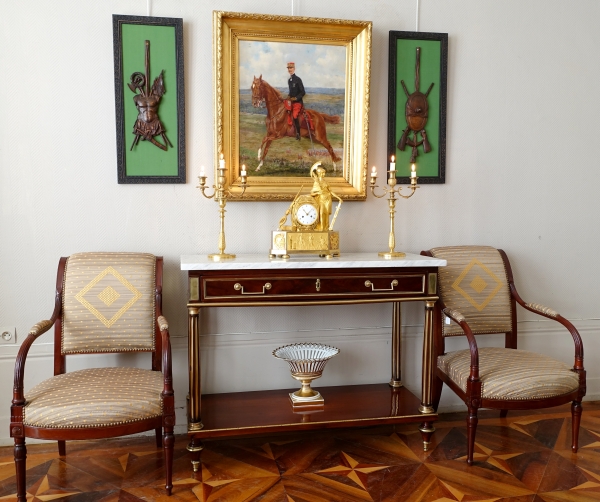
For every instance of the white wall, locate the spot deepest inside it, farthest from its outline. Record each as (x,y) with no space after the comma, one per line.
(522,174)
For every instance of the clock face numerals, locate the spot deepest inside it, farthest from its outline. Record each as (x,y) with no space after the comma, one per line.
(306,214)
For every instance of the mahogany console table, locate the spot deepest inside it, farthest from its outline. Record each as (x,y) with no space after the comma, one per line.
(257,280)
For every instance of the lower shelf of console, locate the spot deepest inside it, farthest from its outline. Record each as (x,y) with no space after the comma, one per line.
(245,413)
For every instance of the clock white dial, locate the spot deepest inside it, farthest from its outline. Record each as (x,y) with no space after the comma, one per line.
(306,214)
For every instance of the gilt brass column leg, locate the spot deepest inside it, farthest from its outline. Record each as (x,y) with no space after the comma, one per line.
(427,428)
(195,421)
(428,355)
(195,395)
(396,380)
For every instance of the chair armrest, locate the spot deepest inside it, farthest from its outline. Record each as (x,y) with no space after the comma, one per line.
(546,312)
(163,325)
(540,309)
(37,330)
(536,308)
(460,319)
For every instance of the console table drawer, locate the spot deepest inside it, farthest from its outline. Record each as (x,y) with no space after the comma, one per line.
(288,288)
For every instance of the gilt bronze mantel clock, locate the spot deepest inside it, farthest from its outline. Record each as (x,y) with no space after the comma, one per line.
(310,231)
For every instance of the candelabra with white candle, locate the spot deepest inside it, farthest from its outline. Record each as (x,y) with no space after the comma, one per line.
(392,191)
(220,195)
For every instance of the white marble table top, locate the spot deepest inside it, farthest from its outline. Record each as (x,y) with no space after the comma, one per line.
(346,260)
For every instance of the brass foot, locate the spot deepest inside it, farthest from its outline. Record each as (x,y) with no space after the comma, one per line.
(427,430)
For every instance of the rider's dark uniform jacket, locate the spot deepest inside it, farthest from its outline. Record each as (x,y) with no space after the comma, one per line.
(296,88)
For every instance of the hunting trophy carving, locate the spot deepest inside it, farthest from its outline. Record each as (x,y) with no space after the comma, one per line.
(148,124)
(416,112)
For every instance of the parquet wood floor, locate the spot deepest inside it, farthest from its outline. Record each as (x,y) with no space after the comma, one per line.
(525,457)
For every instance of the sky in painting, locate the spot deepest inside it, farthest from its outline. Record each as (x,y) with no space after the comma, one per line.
(316,65)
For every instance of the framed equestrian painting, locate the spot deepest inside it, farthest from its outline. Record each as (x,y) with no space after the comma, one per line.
(149,98)
(417,104)
(291,92)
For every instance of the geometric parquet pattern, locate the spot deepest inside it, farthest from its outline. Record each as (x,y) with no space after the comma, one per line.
(525,457)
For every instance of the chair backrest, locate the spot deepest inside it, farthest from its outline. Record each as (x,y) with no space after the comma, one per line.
(475,283)
(109,303)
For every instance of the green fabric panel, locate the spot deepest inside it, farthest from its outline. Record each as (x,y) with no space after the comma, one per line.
(147,159)
(427,163)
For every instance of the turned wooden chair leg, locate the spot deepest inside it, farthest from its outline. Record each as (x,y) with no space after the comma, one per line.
(471,430)
(62,448)
(21,468)
(576,410)
(159,441)
(169,442)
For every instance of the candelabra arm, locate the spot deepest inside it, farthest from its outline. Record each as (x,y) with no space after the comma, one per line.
(203,187)
(373,187)
(413,188)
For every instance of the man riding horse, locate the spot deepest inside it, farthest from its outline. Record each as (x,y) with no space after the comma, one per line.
(296,93)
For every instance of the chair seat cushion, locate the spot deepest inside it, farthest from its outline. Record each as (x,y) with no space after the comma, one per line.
(97,397)
(509,374)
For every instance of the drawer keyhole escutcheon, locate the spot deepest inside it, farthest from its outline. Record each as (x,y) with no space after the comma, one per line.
(369,284)
(237,286)
(318,285)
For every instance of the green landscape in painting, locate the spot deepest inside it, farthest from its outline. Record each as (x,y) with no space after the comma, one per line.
(287,156)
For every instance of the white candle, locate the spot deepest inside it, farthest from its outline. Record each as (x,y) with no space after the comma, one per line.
(374,172)
(413,171)
(243,173)
(202,173)
(392,165)
(222,162)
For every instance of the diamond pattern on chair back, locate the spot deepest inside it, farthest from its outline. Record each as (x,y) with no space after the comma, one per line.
(475,283)
(108,303)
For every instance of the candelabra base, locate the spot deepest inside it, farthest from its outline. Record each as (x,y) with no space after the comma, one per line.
(390,255)
(220,256)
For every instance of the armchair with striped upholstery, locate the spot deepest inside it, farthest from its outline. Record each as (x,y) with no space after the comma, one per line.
(477,297)
(104,303)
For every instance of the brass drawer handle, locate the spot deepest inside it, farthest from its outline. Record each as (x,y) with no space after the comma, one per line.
(370,284)
(237,286)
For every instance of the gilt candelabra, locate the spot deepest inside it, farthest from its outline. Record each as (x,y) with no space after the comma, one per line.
(220,194)
(392,191)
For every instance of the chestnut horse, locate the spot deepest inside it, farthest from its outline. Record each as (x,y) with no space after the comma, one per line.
(264,95)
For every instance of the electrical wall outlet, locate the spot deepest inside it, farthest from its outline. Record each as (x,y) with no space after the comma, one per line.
(8,334)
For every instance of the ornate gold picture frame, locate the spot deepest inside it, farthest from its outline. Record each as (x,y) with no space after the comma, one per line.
(248,49)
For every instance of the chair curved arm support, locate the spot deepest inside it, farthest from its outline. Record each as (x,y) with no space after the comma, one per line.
(166,355)
(35,332)
(546,312)
(555,316)
(459,319)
